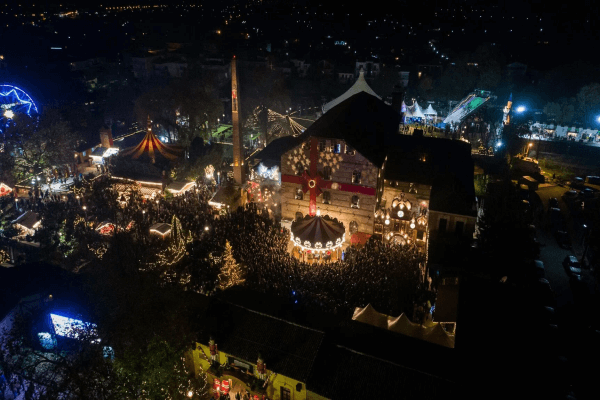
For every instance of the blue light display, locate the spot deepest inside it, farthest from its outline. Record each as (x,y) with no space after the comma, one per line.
(14,100)
(73,328)
(47,341)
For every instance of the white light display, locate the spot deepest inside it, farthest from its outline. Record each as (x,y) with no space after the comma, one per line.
(72,328)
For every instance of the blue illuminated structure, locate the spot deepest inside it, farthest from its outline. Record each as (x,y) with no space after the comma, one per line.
(15,101)
(73,328)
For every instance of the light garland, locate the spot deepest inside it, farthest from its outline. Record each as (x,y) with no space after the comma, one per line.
(318,246)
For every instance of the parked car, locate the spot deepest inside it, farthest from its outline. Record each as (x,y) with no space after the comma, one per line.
(570,194)
(594,180)
(556,218)
(563,239)
(543,293)
(571,265)
(538,270)
(577,182)
(587,193)
(553,203)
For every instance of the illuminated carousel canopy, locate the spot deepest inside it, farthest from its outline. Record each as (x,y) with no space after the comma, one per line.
(318,233)
(152,147)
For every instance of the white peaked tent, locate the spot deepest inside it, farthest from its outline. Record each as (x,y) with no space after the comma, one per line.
(438,335)
(416,111)
(360,85)
(402,325)
(432,332)
(369,315)
(404,109)
(430,111)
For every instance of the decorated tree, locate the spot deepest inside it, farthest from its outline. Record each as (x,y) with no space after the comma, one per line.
(231,272)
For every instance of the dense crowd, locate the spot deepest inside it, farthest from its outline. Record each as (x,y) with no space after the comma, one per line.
(387,276)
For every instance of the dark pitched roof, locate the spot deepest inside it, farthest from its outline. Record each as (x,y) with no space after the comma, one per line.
(287,348)
(28,219)
(448,168)
(363,121)
(346,374)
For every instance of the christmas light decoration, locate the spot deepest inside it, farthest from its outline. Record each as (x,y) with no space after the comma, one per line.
(231,272)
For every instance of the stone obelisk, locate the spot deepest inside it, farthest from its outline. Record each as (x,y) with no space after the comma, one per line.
(238,143)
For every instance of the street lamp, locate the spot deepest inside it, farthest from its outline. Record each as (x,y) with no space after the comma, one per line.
(521,109)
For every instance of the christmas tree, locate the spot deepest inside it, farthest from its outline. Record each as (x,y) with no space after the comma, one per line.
(231,272)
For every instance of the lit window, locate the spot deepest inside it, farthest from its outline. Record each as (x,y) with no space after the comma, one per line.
(327,173)
(353,227)
(350,151)
(355,202)
(322,145)
(299,168)
(326,198)
(356,176)
(299,194)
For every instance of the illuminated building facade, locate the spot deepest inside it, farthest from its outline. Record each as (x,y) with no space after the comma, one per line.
(353,166)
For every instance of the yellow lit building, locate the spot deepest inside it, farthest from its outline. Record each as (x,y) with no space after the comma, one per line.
(232,340)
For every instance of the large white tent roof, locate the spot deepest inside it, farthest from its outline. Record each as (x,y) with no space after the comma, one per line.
(430,111)
(360,85)
(416,111)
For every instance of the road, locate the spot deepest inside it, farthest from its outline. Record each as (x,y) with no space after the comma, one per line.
(552,254)
(578,330)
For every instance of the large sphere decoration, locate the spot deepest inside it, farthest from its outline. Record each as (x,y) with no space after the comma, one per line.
(14,100)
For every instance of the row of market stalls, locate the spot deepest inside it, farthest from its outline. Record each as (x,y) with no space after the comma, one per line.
(566,132)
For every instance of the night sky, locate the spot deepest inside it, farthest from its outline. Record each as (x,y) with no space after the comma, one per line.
(543,35)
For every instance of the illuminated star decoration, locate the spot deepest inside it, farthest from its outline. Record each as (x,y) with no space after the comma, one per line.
(296,158)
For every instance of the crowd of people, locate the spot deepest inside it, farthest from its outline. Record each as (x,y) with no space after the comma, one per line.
(385,275)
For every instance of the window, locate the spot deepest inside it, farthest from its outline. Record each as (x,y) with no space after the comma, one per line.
(353,227)
(327,173)
(459,227)
(397,226)
(299,216)
(326,198)
(299,194)
(84,153)
(420,235)
(350,151)
(355,202)
(336,148)
(286,394)
(443,224)
(322,145)
(356,176)
(299,168)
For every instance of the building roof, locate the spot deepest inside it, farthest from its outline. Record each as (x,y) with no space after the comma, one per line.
(363,121)
(27,220)
(360,86)
(287,348)
(444,164)
(161,228)
(343,373)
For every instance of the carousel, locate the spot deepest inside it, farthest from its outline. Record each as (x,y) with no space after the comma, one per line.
(317,238)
